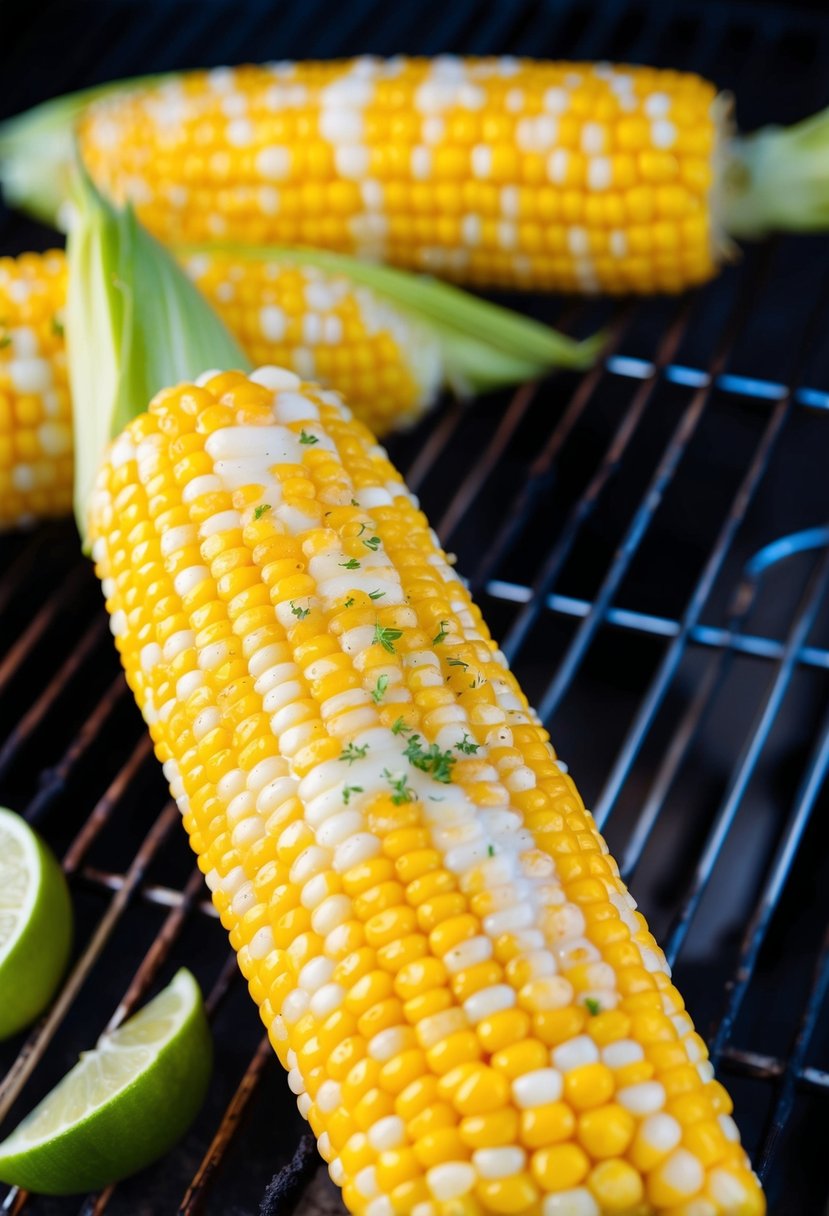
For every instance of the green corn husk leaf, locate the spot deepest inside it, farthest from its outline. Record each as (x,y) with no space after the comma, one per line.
(37,150)
(134,324)
(483,345)
(776,180)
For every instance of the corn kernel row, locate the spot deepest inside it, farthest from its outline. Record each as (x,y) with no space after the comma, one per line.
(517,173)
(473,1016)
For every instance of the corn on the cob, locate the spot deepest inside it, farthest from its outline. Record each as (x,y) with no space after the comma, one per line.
(567,176)
(474,1017)
(35,416)
(328,329)
(320,321)
(517,173)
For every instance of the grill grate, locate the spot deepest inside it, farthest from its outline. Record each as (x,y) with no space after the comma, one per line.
(647,540)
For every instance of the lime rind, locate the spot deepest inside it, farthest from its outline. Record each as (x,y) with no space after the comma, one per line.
(35,924)
(123,1105)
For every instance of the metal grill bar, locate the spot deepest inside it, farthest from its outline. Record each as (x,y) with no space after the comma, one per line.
(523,506)
(194,1199)
(34,717)
(651,501)
(804,621)
(807,795)
(661,626)
(791,1073)
(583,509)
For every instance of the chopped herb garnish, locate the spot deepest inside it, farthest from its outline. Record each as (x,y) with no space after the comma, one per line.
(354,502)
(57,326)
(376,595)
(261,509)
(592,1006)
(380,688)
(372,543)
(444,628)
(363,528)
(351,564)
(348,790)
(466,745)
(457,663)
(351,752)
(434,798)
(430,759)
(401,791)
(387,637)
(477,682)
(307,439)
(400,728)
(5,341)
(349,602)
(490,850)
(299,613)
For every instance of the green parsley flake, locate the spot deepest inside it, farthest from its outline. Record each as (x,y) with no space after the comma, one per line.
(592,1006)
(444,628)
(400,728)
(348,790)
(490,850)
(354,502)
(349,602)
(307,439)
(380,688)
(457,663)
(299,613)
(372,543)
(261,509)
(387,637)
(351,752)
(376,595)
(351,564)
(5,341)
(466,745)
(430,759)
(401,792)
(57,326)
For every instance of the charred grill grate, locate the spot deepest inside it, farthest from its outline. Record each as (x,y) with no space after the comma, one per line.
(649,541)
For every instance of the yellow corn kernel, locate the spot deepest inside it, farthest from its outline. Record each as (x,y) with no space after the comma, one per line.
(616,1186)
(547,1124)
(606,1131)
(561,1167)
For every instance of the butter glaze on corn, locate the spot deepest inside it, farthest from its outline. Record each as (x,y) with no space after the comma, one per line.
(516,173)
(35,416)
(473,1016)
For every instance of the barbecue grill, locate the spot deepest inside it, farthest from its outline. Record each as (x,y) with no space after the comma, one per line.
(648,541)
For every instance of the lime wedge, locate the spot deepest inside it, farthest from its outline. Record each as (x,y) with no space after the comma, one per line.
(35,924)
(123,1105)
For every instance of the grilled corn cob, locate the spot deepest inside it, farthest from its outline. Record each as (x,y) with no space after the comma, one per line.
(320,320)
(474,1017)
(517,173)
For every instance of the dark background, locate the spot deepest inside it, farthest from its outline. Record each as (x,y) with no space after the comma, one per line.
(757,330)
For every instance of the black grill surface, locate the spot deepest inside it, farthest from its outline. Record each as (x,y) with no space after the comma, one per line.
(649,542)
